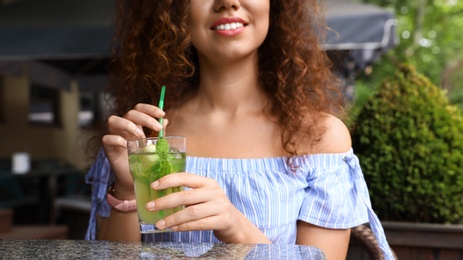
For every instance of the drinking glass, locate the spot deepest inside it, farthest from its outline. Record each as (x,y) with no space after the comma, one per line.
(148,162)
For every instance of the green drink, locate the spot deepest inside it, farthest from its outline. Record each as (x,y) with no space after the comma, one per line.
(149,160)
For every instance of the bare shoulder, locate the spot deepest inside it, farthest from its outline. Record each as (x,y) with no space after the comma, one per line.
(336,137)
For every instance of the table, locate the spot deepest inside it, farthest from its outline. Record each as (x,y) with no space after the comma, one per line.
(35,232)
(41,182)
(82,249)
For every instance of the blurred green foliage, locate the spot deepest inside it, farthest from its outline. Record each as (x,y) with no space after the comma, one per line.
(431,37)
(409,140)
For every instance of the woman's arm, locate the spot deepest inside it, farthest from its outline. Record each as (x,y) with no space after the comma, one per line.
(119,226)
(333,242)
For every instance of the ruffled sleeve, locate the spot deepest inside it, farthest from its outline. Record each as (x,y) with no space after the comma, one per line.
(99,176)
(337,196)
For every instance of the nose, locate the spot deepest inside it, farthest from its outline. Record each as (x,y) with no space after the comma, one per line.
(220,5)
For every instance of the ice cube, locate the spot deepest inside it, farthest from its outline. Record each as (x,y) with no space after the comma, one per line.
(150,149)
(152,157)
(175,153)
(150,153)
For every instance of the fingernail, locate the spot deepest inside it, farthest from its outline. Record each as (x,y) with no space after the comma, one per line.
(157,125)
(161,224)
(154,184)
(160,113)
(150,205)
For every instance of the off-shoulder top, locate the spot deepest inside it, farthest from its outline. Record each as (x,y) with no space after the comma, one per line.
(326,190)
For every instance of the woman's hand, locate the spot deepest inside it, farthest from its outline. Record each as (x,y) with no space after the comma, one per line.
(207,208)
(121,129)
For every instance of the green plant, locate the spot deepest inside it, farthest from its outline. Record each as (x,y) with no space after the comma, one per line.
(409,140)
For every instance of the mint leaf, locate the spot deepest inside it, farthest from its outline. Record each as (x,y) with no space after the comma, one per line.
(162,149)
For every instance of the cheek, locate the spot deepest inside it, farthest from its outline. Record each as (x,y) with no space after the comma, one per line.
(262,14)
(198,13)
(195,15)
(264,24)
(193,31)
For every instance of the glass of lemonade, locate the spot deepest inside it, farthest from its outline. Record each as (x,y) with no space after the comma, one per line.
(150,159)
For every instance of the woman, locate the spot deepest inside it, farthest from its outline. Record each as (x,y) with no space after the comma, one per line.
(250,88)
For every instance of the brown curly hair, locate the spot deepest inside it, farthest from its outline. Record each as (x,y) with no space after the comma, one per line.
(152,47)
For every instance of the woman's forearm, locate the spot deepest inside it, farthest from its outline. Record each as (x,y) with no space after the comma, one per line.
(119,226)
(246,233)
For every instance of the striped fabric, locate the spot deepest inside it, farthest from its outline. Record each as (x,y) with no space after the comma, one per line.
(327,190)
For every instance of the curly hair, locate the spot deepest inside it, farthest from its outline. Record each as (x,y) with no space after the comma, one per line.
(152,47)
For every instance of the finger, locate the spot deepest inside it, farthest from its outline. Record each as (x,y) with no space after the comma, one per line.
(165,122)
(124,127)
(114,141)
(210,223)
(196,217)
(142,119)
(181,179)
(182,198)
(115,148)
(148,109)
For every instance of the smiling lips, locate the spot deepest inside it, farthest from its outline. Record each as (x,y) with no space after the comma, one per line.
(228,26)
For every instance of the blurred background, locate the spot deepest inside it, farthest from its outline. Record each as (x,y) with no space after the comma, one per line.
(430,40)
(53,57)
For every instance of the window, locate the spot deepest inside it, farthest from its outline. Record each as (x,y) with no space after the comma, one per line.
(93,107)
(88,111)
(44,106)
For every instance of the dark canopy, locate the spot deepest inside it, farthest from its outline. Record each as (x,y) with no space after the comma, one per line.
(365,30)
(72,36)
(55,29)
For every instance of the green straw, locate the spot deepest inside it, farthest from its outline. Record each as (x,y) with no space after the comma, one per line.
(161,106)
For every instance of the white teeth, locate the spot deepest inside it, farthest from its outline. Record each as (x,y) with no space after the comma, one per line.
(229,26)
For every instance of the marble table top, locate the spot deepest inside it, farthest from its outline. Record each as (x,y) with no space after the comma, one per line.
(81,249)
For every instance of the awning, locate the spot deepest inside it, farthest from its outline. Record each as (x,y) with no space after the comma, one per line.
(366,30)
(55,41)
(55,29)
(72,37)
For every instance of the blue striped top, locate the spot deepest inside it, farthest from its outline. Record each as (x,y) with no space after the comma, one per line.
(327,190)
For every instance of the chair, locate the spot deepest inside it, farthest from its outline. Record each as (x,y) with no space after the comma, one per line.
(74,212)
(364,237)
(13,195)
